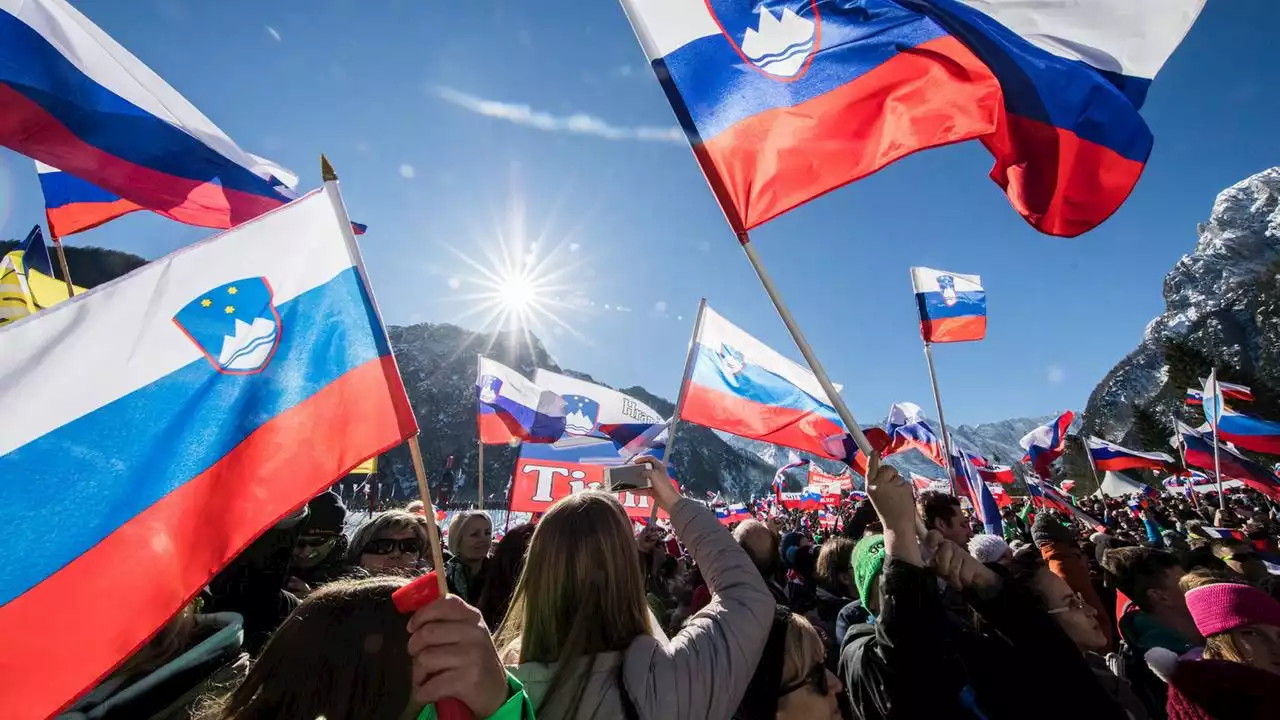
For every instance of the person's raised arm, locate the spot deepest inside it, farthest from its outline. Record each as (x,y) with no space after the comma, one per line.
(704,671)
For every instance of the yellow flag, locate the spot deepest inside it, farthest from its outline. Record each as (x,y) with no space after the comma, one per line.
(23,291)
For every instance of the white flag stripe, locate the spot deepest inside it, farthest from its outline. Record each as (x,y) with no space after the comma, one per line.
(1132,37)
(1099,444)
(101,58)
(925,279)
(664,26)
(304,238)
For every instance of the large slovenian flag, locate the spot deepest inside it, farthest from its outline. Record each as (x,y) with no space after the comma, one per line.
(511,409)
(784,100)
(1110,456)
(1046,443)
(75,99)
(908,430)
(743,387)
(193,391)
(1198,451)
(953,308)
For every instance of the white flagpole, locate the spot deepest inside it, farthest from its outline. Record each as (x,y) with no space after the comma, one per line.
(480,447)
(1217,415)
(945,438)
(668,454)
(842,410)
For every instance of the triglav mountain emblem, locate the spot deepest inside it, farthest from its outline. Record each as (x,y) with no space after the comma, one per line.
(581,415)
(490,388)
(235,325)
(947,284)
(731,359)
(778,37)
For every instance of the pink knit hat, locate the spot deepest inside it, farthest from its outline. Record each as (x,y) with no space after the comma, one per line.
(1221,607)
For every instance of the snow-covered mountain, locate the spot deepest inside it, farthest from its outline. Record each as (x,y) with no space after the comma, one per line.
(438,365)
(1222,308)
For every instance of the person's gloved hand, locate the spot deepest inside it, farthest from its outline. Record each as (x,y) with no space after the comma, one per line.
(1048,530)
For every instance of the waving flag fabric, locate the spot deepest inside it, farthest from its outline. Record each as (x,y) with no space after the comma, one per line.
(1248,432)
(953,308)
(72,205)
(782,103)
(191,431)
(1109,456)
(510,408)
(603,427)
(1195,397)
(1046,443)
(75,99)
(968,484)
(1043,495)
(1002,474)
(926,484)
(784,100)
(1235,392)
(1198,450)
(27,284)
(1211,399)
(1001,496)
(743,387)
(780,477)
(908,430)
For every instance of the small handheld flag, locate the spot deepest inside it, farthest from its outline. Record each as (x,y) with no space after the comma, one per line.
(953,308)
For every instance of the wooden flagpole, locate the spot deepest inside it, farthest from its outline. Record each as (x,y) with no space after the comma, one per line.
(668,454)
(62,264)
(330,179)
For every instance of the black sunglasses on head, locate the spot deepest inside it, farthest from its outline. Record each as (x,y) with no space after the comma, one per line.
(407,546)
(817,679)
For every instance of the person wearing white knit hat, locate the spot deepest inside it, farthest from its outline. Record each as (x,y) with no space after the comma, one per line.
(990,548)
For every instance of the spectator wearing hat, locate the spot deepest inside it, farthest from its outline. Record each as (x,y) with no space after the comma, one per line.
(319,553)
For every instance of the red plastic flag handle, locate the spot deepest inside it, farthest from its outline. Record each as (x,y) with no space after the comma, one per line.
(420,593)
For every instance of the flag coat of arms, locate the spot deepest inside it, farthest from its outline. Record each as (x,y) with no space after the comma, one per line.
(785,100)
(953,308)
(743,387)
(185,422)
(602,427)
(511,408)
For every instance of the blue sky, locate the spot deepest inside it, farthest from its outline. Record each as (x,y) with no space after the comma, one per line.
(446,121)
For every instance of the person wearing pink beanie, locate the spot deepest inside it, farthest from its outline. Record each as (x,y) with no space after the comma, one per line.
(1239,676)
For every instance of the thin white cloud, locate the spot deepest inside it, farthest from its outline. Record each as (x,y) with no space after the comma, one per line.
(407,171)
(275,34)
(575,123)
(1056,374)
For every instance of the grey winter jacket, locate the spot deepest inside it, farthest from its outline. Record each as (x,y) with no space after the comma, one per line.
(703,671)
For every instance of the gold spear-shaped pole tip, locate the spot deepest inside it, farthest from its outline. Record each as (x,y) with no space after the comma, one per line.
(326,170)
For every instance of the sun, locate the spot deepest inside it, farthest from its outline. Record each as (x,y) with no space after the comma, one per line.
(517,292)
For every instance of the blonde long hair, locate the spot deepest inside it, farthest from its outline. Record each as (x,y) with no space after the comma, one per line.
(581,591)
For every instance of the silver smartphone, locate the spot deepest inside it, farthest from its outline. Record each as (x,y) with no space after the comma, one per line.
(626,477)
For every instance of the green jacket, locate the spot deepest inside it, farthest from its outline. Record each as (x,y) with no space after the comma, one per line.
(517,706)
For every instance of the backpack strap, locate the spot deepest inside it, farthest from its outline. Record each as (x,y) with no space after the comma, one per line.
(628,705)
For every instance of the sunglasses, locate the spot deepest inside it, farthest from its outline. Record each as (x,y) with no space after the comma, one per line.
(314,541)
(817,679)
(407,546)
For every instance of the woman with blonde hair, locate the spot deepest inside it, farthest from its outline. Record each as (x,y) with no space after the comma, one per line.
(584,639)
(470,537)
(392,542)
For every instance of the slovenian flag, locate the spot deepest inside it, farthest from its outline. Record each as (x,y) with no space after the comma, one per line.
(75,99)
(743,387)
(953,308)
(511,409)
(738,512)
(1198,450)
(783,102)
(1248,432)
(1046,443)
(908,430)
(968,484)
(191,396)
(1043,495)
(1110,456)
